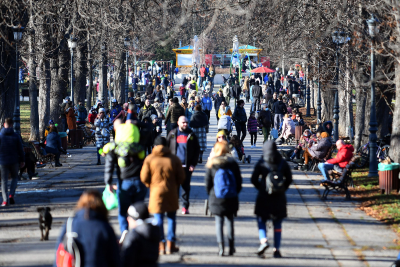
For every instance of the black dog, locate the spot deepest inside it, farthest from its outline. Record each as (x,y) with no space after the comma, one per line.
(45,220)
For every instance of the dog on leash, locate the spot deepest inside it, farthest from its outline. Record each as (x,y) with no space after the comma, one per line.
(45,220)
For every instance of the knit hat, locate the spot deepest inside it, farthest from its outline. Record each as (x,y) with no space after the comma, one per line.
(138,211)
(324,135)
(102,110)
(220,133)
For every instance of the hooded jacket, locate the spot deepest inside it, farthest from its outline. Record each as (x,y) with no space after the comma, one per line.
(321,149)
(270,206)
(11,151)
(343,156)
(223,206)
(174,112)
(146,112)
(236,91)
(199,119)
(162,173)
(279,108)
(218,101)
(239,115)
(140,247)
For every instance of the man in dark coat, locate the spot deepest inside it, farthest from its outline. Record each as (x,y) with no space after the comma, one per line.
(174,112)
(270,206)
(257,94)
(279,110)
(236,91)
(12,158)
(146,111)
(240,118)
(184,144)
(265,121)
(217,103)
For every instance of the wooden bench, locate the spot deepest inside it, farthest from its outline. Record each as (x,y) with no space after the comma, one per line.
(340,182)
(48,158)
(315,161)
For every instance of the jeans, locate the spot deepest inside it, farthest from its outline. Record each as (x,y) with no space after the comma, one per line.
(262,230)
(324,168)
(278,118)
(256,104)
(129,191)
(253,136)
(5,171)
(241,130)
(211,79)
(219,228)
(171,216)
(64,124)
(266,131)
(186,188)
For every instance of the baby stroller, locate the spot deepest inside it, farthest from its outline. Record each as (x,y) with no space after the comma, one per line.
(225,123)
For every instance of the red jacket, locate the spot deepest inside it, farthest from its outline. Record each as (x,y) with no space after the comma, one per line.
(203,72)
(343,156)
(182,90)
(92,117)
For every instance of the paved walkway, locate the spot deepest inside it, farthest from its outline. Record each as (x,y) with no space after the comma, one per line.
(316,233)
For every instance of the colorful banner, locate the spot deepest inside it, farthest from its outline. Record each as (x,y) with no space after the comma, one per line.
(208,59)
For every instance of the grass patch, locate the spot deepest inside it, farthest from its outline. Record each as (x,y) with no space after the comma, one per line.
(25,109)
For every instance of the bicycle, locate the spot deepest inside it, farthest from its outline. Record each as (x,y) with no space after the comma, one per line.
(382,152)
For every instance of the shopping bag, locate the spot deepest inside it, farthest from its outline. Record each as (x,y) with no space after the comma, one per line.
(110,199)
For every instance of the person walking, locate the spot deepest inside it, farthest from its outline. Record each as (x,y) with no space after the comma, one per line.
(257,94)
(94,234)
(223,182)
(102,124)
(199,123)
(174,112)
(190,110)
(70,114)
(12,158)
(163,173)
(227,94)
(240,118)
(207,107)
(279,109)
(82,113)
(236,91)
(271,200)
(53,145)
(217,103)
(184,144)
(265,120)
(146,111)
(252,127)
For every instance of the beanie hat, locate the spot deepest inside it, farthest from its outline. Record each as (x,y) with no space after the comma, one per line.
(324,135)
(138,211)
(222,132)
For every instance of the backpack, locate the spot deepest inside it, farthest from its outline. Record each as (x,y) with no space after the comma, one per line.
(224,184)
(275,181)
(68,254)
(192,86)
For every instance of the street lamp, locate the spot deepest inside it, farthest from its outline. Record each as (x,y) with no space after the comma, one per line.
(319,101)
(373,125)
(338,38)
(72,44)
(16,116)
(127,43)
(308,89)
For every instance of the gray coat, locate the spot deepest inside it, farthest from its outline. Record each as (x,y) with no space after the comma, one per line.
(321,149)
(106,124)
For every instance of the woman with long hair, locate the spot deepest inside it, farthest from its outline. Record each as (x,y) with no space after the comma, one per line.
(223,182)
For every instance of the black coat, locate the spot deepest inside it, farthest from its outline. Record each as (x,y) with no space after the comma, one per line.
(270,206)
(236,91)
(199,119)
(257,91)
(146,112)
(11,151)
(265,114)
(218,101)
(279,108)
(192,149)
(239,115)
(223,206)
(140,247)
(271,103)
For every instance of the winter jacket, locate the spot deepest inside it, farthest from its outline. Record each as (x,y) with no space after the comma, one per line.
(159,109)
(239,115)
(252,125)
(102,127)
(146,112)
(174,112)
(192,149)
(324,126)
(271,104)
(343,156)
(321,149)
(265,114)
(92,116)
(71,119)
(115,111)
(222,206)
(218,101)
(256,91)
(226,91)
(270,206)
(82,114)
(236,91)
(195,87)
(11,151)
(227,111)
(95,239)
(288,128)
(279,108)
(140,247)
(207,103)
(159,95)
(162,173)
(182,90)
(189,112)
(203,72)
(199,119)
(53,143)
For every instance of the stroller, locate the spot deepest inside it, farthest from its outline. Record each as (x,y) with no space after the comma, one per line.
(225,123)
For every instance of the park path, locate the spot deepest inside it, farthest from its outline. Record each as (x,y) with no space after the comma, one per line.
(316,232)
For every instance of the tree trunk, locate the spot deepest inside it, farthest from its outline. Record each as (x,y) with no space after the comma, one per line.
(328,99)
(34,116)
(80,69)
(119,78)
(362,118)
(103,79)
(44,94)
(89,90)
(394,151)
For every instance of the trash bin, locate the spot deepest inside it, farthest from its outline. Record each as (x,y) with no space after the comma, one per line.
(64,141)
(388,177)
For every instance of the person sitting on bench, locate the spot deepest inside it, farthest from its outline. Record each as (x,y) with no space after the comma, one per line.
(320,149)
(343,157)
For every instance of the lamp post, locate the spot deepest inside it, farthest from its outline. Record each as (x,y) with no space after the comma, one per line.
(127,44)
(338,38)
(16,116)
(72,44)
(308,112)
(319,101)
(373,125)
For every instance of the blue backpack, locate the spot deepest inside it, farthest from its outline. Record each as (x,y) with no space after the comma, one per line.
(224,184)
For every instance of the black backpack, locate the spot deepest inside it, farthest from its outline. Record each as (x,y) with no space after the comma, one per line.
(275,181)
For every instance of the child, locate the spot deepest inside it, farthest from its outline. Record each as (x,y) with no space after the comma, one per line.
(252,128)
(237,150)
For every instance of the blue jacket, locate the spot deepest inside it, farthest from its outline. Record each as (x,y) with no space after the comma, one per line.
(96,239)
(189,113)
(82,114)
(53,143)
(207,103)
(135,81)
(115,111)
(11,151)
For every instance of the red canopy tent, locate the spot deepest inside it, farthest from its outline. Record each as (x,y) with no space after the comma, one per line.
(262,70)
